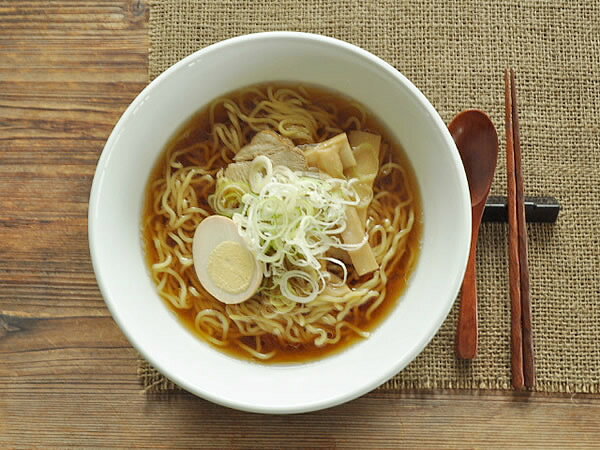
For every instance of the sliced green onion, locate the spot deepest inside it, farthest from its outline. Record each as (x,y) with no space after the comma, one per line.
(289,221)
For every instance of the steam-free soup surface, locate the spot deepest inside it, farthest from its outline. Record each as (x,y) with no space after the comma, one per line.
(177,200)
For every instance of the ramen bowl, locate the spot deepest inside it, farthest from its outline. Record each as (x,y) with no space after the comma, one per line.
(139,138)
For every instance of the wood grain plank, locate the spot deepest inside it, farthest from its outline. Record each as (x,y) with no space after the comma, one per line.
(22,334)
(376,421)
(67,71)
(63,17)
(72,110)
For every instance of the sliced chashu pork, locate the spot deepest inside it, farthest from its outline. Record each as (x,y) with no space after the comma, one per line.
(238,171)
(280,150)
(274,146)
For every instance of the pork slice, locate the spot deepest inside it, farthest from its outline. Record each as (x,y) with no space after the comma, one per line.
(280,150)
(264,143)
(238,171)
(292,158)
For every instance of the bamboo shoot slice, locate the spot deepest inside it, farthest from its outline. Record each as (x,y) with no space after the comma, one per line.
(362,258)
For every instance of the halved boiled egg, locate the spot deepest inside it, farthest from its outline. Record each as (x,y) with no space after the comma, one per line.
(224,265)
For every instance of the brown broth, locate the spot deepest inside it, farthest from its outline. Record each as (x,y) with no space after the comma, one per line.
(197,128)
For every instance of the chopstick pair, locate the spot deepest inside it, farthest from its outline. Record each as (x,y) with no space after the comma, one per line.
(523,365)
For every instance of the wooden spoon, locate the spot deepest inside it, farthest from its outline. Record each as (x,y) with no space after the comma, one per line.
(477,142)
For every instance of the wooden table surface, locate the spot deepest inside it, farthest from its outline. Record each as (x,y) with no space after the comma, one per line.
(68,69)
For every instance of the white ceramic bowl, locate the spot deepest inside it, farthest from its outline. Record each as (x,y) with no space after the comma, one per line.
(135,145)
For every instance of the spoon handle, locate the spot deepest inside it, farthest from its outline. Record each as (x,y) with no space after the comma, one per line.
(467,330)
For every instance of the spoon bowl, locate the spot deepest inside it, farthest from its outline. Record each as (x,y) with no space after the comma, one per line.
(477,142)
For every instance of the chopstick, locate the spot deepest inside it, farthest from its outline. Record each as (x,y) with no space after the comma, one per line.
(523,365)
(516,341)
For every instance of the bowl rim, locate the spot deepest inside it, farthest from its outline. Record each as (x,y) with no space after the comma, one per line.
(95,195)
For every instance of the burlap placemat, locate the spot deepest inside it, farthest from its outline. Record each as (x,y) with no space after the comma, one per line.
(455,52)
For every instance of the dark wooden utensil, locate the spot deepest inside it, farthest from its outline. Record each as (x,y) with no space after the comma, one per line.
(477,142)
(523,359)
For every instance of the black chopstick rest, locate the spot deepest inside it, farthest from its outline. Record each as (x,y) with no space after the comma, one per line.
(537,209)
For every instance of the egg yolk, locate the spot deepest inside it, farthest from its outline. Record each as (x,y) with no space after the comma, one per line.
(231,267)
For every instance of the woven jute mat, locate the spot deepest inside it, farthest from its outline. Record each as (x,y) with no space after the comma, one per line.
(455,52)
